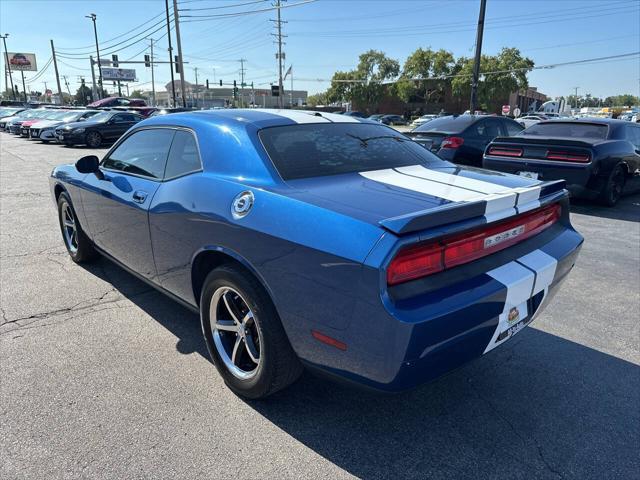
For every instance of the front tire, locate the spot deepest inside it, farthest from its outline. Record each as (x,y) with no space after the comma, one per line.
(614,187)
(244,335)
(93,139)
(78,245)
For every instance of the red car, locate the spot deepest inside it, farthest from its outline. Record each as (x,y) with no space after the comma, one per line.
(19,60)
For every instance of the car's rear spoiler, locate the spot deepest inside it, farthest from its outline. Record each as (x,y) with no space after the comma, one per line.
(531,140)
(525,199)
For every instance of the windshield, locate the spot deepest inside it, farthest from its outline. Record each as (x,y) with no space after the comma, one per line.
(315,150)
(447,124)
(567,129)
(101,117)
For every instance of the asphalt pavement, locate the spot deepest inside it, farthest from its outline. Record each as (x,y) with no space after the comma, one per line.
(104,377)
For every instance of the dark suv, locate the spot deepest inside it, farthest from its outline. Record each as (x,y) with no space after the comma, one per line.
(463,138)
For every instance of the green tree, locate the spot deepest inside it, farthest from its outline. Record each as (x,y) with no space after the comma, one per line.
(81,95)
(320,98)
(625,100)
(500,75)
(373,69)
(425,64)
(138,94)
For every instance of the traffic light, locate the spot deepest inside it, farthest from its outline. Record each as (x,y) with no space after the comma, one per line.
(114,60)
(207,84)
(177,62)
(220,82)
(234,84)
(147,61)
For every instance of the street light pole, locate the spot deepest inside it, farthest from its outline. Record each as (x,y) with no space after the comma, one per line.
(8,65)
(478,56)
(173,86)
(93,17)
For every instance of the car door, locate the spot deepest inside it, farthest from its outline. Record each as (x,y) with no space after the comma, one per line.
(116,203)
(118,125)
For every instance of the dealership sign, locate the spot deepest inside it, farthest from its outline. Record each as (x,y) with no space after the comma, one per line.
(124,74)
(23,61)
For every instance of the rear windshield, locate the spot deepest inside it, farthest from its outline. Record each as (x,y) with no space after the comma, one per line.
(446,124)
(567,129)
(315,150)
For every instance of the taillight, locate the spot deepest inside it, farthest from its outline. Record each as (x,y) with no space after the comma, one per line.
(452,142)
(426,259)
(567,156)
(505,151)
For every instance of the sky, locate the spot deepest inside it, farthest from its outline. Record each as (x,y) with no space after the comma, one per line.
(328,35)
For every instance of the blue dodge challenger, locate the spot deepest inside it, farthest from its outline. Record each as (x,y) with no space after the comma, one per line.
(320,240)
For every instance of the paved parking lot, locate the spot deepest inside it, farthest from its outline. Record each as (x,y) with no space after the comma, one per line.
(104,377)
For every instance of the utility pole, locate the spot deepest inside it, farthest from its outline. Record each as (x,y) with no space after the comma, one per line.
(55,66)
(176,20)
(242,70)
(195,69)
(7,65)
(93,17)
(279,55)
(64,77)
(173,87)
(153,82)
(24,88)
(476,63)
(576,97)
(93,79)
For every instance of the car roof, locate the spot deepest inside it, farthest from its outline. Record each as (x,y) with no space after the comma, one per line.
(259,118)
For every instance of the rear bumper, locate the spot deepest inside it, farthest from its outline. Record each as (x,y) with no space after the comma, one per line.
(395,345)
(581,179)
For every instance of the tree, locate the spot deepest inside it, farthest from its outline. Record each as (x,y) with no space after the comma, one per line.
(373,69)
(81,95)
(425,64)
(625,100)
(138,94)
(320,98)
(500,75)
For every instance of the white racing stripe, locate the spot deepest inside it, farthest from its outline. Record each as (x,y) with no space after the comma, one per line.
(300,117)
(521,285)
(455,180)
(448,192)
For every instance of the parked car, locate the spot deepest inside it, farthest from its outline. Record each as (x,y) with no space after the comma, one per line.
(14,124)
(45,130)
(376,117)
(393,120)
(353,113)
(423,119)
(167,111)
(143,111)
(462,138)
(118,102)
(104,127)
(305,239)
(6,113)
(25,125)
(530,119)
(594,156)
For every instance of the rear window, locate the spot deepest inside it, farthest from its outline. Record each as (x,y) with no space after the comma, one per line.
(446,124)
(315,150)
(568,129)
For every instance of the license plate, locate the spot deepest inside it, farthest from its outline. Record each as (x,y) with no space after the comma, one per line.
(60,137)
(532,175)
(25,131)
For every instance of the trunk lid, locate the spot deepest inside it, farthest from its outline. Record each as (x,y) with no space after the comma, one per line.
(408,199)
(430,140)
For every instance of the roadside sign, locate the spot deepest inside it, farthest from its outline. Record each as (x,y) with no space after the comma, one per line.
(275,91)
(23,61)
(124,74)
(516,112)
(506,109)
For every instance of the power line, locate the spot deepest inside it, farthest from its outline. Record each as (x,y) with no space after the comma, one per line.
(218,8)
(202,18)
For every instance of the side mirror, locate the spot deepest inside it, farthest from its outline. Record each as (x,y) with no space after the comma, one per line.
(89,164)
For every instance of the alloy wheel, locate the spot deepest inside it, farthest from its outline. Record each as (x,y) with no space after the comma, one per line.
(69,227)
(236,333)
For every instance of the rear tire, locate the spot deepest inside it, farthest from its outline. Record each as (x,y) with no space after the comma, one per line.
(614,187)
(93,139)
(237,315)
(78,245)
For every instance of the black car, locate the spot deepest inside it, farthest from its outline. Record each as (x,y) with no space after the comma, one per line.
(463,138)
(392,120)
(354,113)
(104,127)
(167,111)
(594,156)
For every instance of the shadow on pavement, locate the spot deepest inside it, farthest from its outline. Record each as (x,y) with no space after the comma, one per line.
(628,208)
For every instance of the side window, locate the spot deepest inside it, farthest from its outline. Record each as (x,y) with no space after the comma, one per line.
(183,156)
(633,135)
(513,128)
(142,153)
(487,129)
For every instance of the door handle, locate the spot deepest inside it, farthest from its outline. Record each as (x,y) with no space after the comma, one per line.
(139,196)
